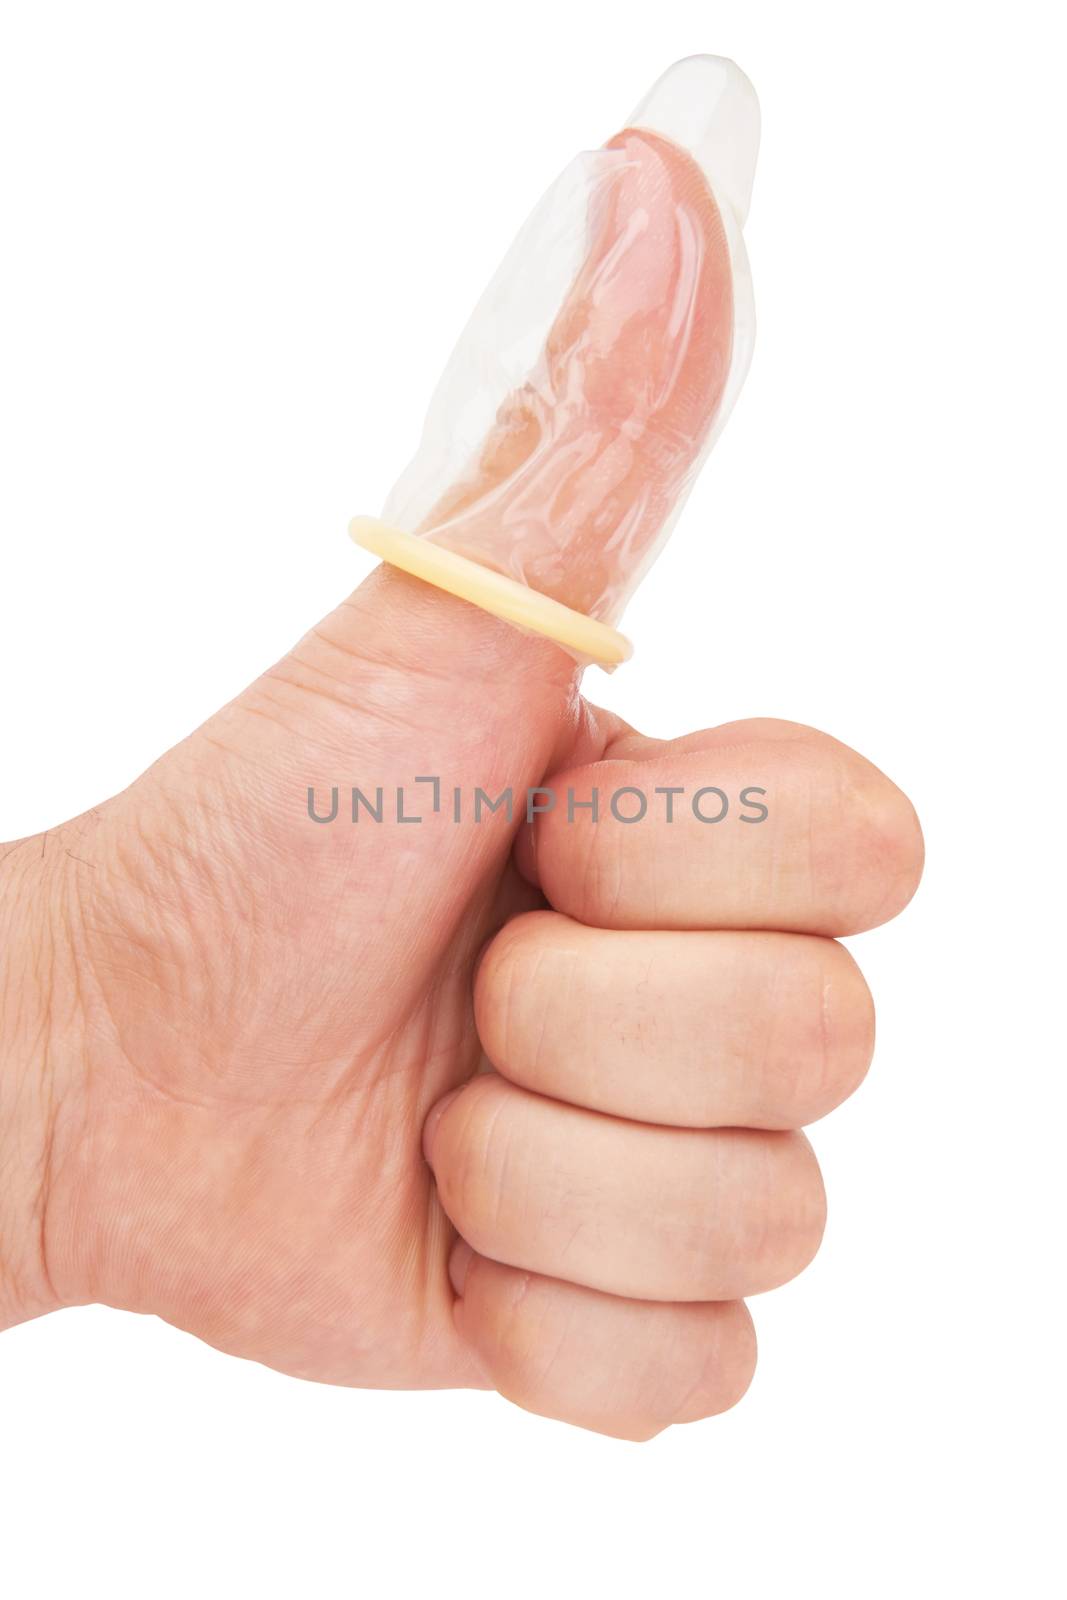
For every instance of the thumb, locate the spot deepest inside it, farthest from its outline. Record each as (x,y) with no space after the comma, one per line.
(595,443)
(570,490)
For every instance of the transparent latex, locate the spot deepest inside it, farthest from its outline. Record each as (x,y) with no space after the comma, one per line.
(604,357)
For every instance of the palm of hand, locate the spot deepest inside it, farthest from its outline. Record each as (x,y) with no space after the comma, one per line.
(275,1006)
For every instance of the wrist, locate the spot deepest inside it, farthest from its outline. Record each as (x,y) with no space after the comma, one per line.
(40,1062)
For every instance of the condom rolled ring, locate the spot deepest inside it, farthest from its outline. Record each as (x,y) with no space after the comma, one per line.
(492,591)
(595,375)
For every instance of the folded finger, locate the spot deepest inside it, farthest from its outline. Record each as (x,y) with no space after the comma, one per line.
(628,1368)
(651,1213)
(703,1030)
(757,824)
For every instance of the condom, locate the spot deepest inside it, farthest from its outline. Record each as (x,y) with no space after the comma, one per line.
(594,376)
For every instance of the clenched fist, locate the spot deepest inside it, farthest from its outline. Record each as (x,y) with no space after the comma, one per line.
(478,1102)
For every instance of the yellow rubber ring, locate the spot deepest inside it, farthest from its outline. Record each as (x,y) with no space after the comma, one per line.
(492,591)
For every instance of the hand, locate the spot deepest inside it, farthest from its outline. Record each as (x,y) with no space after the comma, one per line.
(236,1029)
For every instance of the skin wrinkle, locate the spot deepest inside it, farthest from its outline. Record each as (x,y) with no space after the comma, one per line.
(705,1384)
(405,672)
(566,1249)
(207,1067)
(548,1355)
(509,965)
(516,1301)
(540,1043)
(350,867)
(483,1186)
(354,701)
(48,1156)
(615,877)
(233,752)
(419,1263)
(392,718)
(646,1026)
(537,667)
(698,1385)
(30,1098)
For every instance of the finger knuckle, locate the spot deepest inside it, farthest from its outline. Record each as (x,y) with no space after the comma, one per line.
(890,853)
(472,1156)
(840,1037)
(510,990)
(723,1367)
(788,1227)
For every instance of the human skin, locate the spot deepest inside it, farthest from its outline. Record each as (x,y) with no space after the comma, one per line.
(230,1034)
(586,460)
(242,1080)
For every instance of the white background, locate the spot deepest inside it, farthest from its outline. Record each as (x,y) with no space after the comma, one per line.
(240,241)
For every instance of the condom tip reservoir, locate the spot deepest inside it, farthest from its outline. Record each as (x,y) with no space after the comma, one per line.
(595,374)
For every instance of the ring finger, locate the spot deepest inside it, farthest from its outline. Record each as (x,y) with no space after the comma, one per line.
(652,1213)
